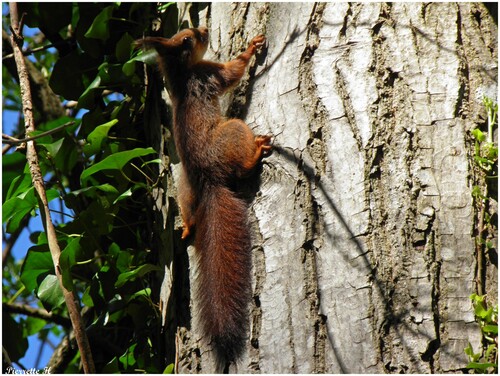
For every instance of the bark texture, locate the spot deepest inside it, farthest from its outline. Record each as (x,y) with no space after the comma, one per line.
(363,219)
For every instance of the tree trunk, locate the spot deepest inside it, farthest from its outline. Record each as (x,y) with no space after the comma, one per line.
(364,254)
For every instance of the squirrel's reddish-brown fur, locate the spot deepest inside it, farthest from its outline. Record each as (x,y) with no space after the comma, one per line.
(214,154)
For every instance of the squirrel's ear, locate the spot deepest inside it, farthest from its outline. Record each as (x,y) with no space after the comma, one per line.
(151,42)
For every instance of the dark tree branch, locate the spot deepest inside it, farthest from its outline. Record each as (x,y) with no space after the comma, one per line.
(63,354)
(6,139)
(27,310)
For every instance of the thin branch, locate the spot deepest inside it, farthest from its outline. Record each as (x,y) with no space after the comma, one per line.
(30,51)
(27,310)
(62,355)
(37,178)
(6,139)
(6,148)
(40,351)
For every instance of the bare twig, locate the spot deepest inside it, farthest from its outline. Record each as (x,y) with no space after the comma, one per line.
(6,139)
(36,312)
(37,178)
(6,148)
(29,51)
(63,354)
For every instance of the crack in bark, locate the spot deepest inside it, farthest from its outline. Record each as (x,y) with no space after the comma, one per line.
(309,250)
(462,105)
(379,155)
(316,148)
(308,92)
(259,263)
(434,267)
(375,153)
(341,85)
(348,13)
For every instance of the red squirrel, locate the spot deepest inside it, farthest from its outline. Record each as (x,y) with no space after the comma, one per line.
(215,153)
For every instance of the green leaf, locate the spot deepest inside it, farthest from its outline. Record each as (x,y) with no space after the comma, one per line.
(19,184)
(490,329)
(129,68)
(50,293)
(481,366)
(15,171)
(482,313)
(124,47)
(54,147)
(98,217)
(54,16)
(36,264)
(101,290)
(34,325)
(136,273)
(18,344)
(14,210)
(476,193)
(491,152)
(169,369)
(154,161)
(115,161)
(141,293)
(469,351)
(128,359)
(66,77)
(148,57)
(123,258)
(69,257)
(478,135)
(124,195)
(163,7)
(87,98)
(491,348)
(87,300)
(91,191)
(112,367)
(111,74)
(97,137)
(100,27)
(68,155)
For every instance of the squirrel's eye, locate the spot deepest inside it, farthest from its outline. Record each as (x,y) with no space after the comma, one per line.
(187,41)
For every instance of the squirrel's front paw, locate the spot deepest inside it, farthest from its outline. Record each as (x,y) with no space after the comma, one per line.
(256,42)
(263,143)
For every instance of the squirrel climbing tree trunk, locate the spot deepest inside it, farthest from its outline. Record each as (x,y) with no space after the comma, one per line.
(363,223)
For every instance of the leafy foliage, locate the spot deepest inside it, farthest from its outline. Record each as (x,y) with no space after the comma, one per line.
(487,361)
(486,152)
(486,161)
(100,170)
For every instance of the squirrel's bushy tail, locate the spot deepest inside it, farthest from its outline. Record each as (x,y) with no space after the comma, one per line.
(223,291)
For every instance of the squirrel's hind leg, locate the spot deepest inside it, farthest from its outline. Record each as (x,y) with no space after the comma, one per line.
(239,147)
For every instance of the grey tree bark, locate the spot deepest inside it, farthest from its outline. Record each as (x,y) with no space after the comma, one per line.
(364,255)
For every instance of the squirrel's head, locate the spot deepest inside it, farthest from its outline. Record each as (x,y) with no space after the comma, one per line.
(188,45)
(194,43)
